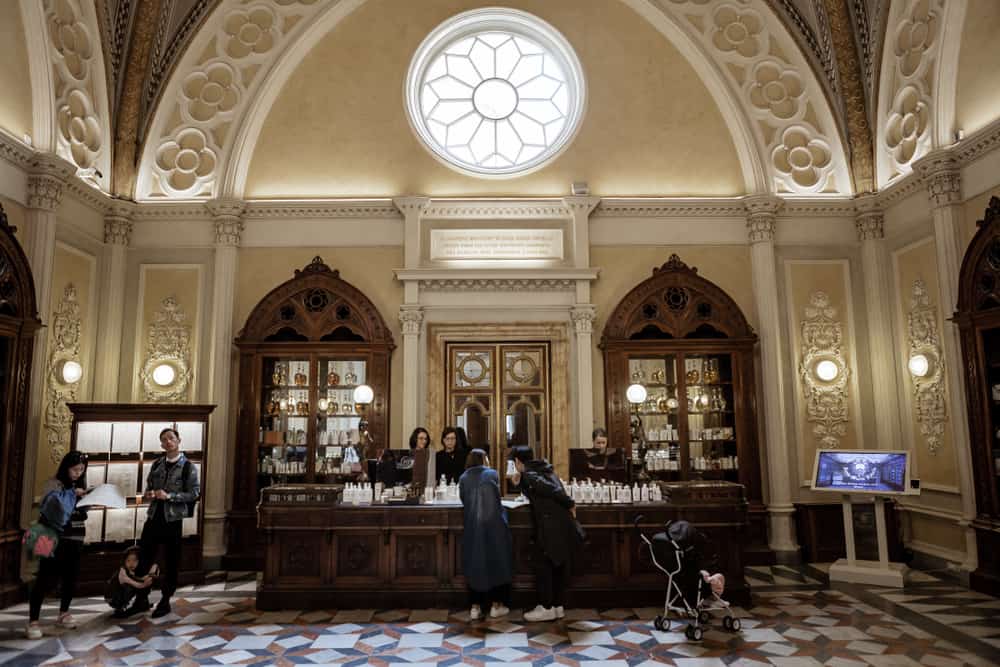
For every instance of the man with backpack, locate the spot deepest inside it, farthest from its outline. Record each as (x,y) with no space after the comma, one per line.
(172,489)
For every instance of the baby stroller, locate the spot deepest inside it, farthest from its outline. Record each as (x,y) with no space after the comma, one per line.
(678,553)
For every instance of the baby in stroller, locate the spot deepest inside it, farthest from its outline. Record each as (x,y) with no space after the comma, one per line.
(681,552)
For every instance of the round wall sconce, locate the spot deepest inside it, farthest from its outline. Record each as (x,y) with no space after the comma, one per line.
(164,375)
(364,394)
(636,393)
(71,372)
(919,365)
(826,370)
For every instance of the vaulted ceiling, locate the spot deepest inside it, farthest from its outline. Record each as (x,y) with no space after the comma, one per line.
(866,74)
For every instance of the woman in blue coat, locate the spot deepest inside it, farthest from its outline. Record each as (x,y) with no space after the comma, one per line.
(487,558)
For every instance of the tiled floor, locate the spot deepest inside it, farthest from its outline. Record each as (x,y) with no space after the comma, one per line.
(798,620)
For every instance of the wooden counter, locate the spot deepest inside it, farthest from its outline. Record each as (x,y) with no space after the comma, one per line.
(321,554)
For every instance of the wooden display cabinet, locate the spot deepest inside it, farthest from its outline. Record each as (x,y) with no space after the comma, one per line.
(687,342)
(978,319)
(305,348)
(122,440)
(18,324)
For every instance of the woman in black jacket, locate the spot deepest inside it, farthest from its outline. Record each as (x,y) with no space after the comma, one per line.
(450,460)
(554,514)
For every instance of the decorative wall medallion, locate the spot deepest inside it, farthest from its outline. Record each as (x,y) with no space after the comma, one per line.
(168,343)
(929,401)
(64,347)
(824,385)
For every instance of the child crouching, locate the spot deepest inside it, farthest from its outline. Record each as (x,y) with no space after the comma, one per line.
(125,584)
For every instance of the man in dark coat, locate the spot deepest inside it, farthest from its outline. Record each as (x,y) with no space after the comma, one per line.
(554,514)
(487,558)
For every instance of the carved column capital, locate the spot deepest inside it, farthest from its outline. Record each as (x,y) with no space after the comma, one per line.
(583,317)
(411,205)
(581,204)
(228,218)
(45,191)
(118,224)
(942,175)
(868,219)
(762,215)
(410,319)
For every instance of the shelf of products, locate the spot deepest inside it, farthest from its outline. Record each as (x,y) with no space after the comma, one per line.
(122,441)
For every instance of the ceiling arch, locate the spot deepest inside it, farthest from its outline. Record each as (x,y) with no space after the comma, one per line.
(205,130)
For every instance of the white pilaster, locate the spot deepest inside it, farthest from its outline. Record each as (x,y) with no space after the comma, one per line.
(762,213)
(410,319)
(583,316)
(412,209)
(46,184)
(228,218)
(107,367)
(580,208)
(881,342)
(941,173)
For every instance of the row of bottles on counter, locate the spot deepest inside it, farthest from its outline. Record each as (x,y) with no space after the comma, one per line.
(602,492)
(444,492)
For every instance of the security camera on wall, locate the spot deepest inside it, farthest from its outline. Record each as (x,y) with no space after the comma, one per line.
(861,471)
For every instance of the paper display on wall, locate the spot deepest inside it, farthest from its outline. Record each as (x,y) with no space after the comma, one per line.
(146,467)
(125,437)
(96,475)
(93,437)
(93,526)
(120,525)
(104,495)
(123,476)
(151,435)
(190,524)
(192,435)
(140,519)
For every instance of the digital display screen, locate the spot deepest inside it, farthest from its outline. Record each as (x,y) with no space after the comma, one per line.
(861,472)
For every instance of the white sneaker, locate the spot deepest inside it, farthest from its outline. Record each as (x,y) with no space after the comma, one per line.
(474,613)
(498,611)
(560,612)
(540,613)
(33,631)
(66,621)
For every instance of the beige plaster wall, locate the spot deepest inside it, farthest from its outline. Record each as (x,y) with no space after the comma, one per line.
(936,532)
(977,96)
(624,267)
(367,268)
(15,82)
(159,282)
(339,126)
(75,267)
(803,278)
(918,261)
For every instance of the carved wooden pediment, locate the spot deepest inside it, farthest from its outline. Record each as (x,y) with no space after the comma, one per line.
(675,302)
(979,282)
(315,305)
(17,287)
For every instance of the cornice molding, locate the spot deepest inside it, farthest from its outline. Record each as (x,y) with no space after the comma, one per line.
(496,280)
(979,143)
(466,209)
(347,208)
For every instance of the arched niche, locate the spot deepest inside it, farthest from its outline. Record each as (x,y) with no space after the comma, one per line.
(310,341)
(978,319)
(18,324)
(688,343)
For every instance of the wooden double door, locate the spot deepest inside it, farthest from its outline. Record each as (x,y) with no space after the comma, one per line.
(499,393)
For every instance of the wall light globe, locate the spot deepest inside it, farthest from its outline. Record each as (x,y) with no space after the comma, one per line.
(826,370)
(364,394)
(71,372)
(919,365)
(636,393)
(164,375)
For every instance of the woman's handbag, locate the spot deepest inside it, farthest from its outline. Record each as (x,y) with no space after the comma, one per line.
(40,540)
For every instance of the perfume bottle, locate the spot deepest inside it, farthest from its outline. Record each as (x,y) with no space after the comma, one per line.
(351,377)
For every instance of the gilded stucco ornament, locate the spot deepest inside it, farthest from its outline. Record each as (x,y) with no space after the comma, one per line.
(826,399)
(929,401)
(168,342)
(64,347)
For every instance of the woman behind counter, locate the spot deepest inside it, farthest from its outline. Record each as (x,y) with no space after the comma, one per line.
(450,461)
(487,559)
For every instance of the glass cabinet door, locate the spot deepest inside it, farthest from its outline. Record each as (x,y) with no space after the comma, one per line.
(337,421)
(659,414)
(711,423)
(283,444)
(991,349)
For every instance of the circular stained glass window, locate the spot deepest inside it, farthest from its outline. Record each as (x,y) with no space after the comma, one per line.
(495,92)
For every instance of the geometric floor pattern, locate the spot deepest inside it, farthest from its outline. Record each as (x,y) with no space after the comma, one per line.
(798,618)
